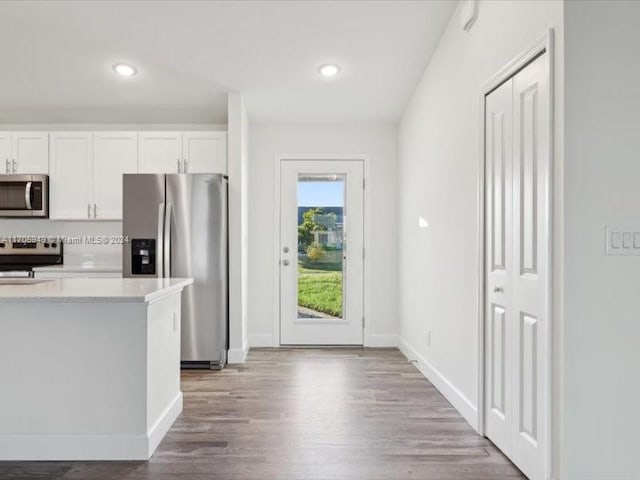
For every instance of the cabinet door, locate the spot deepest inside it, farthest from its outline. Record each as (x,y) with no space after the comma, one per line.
(205,152)
(5,153)
(159,152)
(114,153)
(31,152)
(71,176)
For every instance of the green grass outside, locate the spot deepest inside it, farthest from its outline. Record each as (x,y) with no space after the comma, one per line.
(320,284)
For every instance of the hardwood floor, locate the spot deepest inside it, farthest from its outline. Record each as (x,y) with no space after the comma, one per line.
(305,414)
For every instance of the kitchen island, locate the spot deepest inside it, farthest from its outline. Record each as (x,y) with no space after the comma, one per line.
(89,368)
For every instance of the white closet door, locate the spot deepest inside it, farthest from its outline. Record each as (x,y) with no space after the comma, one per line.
(499,254)
(517,212)
(530,267)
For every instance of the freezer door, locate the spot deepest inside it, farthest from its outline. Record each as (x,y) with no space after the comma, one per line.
(142,224)
(197,216)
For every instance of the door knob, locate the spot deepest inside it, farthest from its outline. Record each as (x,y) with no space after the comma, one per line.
(498,289)
(285,262)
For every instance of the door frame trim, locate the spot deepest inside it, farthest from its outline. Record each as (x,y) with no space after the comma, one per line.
(277,160)
(544,44)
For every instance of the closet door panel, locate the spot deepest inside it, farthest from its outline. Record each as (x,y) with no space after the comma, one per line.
(531,197)
(498,255)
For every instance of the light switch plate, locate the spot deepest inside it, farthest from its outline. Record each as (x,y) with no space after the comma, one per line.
(622,240)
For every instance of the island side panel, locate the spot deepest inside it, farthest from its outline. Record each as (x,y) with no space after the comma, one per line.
(73,375)
(164,402)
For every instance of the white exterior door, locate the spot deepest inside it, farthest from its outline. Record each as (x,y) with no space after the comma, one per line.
(160,152)
(321,252)
(204,152)
(517,268)
(114,154)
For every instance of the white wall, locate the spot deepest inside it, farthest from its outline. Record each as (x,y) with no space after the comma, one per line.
(602,178)
(439,153)
(376,141)
(238,159)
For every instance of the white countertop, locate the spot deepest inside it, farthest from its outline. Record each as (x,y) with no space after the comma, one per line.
(99,290)
(84,267)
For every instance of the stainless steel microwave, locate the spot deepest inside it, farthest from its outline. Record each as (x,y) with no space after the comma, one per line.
(24,196)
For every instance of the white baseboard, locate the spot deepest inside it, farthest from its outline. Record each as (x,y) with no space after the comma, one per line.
(261,340)
(373,340)
(88,447)
(238,355)
(381,340)
(461,403)
(163,424)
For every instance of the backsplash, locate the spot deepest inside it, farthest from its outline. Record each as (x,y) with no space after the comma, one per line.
(85,242)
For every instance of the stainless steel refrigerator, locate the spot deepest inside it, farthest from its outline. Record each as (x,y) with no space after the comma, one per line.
(176,226)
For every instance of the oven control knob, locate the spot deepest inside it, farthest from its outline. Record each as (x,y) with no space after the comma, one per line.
(54,245)
(46,245)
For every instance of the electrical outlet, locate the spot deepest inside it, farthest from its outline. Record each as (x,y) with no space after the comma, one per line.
(428,338)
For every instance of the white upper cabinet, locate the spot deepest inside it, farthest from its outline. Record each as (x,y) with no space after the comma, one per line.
(86,173)
(71,176)
(182,152)
(31,152)
(86,168)
(24,152)
(204,152)
(114,154)
(160,152)
(5,153)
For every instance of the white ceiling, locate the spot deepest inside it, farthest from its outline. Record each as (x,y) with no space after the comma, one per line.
(57,58)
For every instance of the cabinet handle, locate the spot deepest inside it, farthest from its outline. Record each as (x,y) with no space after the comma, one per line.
(88,210)
(15,169)
(185,169)
(179,166)
(95,211)
(6,162)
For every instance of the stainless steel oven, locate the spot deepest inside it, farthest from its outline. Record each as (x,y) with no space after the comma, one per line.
(24,196)
(18,256)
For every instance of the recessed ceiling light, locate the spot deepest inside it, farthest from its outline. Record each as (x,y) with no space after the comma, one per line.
(329,70)
(125,70)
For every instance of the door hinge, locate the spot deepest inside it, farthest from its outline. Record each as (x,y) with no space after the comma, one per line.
(363,183)
(362,322)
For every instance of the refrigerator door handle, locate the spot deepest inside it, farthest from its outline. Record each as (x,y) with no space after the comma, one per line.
(167,241)
(160,248)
